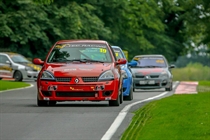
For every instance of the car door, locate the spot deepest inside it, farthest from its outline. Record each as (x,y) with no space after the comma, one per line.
(5,67)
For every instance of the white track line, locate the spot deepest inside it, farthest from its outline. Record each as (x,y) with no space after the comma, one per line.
(118,120)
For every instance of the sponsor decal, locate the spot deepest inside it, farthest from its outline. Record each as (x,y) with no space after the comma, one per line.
(102,50)
(70,69)
(159,61)
(93,88)
(136,58)
(6,68)
(34,67)
(76,89)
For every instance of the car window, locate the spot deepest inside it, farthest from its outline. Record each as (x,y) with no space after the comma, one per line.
(3,59)
(18,58)
(118,53)
(150,61)
(77,51)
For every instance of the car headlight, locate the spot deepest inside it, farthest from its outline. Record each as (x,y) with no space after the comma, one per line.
(106,76)
(124,75)
(28,69)
(123,66)
(164,74)
(46,75)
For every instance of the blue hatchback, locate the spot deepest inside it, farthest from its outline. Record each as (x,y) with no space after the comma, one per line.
(128,78)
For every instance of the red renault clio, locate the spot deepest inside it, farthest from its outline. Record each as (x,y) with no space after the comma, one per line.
(80,70)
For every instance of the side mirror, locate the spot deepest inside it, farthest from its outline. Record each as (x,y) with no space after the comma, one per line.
(8,62)
(132,64)
(172,66)
(38,61)
(121,61)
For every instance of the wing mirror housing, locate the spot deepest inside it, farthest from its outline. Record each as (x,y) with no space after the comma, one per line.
(132,64)
(172,66)
(38,61)
(121,61)
(8,62)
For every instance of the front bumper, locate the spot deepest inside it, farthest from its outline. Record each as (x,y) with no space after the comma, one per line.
(64,91)
(152,83)
(126,86)
(30,74)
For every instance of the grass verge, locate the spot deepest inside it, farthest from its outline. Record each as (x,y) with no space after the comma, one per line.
(6,85)
(178,117)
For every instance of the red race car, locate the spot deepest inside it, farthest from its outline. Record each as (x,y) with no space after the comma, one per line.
(80,70)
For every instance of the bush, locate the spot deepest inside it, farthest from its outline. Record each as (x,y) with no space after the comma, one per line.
(192,72)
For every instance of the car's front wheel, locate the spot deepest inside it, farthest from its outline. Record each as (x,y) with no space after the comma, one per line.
(130,96)
(118,101)
(121,96)
(18,76)
(41,102)
(169,88)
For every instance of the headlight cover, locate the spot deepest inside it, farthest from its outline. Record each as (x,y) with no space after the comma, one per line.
(28,69)
(164,74)
(46,75)
(106,76)
(123,67)
(125,75)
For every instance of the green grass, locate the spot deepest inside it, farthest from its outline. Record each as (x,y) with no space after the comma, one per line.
(5,85)
(204,86)
(178,117)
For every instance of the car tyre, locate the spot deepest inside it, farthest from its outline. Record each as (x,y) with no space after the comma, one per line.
(0,78)
(18,76)
(121,96)
(41,102)
(170,88)
(130,97)
(115,102)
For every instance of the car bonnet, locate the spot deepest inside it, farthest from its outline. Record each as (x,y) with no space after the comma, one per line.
(147,71)
(78,69)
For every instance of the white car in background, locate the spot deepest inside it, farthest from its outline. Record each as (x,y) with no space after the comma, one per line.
(13,65)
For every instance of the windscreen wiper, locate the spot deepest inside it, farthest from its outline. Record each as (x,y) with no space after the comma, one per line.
(91,60)
(151,66)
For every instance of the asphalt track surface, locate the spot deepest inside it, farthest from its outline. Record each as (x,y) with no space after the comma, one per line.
(21,119)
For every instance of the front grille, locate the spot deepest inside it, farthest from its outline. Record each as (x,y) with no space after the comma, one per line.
(156,84)
(139,76)
(90,79)
(63,79)
(154,76)
(75,94)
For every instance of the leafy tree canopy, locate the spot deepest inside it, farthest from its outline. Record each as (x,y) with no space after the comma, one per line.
(168,27)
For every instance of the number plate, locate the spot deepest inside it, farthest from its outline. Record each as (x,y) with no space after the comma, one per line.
(142,82)
(151,82)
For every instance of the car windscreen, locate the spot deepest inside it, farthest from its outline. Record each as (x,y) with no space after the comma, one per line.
(77,51)
(118,53)
(19,58)
(150,61)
